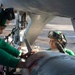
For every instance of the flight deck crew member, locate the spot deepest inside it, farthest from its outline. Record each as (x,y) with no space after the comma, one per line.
(8,54)
(58,37)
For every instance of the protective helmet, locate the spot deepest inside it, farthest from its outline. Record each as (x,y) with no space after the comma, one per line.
(2,18)
(6,14)
(59,36)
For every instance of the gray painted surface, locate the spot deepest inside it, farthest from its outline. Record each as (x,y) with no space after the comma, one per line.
(44,8)
(51,63)
(55,7)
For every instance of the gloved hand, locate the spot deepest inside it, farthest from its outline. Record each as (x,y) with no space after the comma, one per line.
(27,55)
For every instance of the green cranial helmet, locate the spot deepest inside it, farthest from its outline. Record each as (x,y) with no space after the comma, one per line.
(59,36)
(6,14)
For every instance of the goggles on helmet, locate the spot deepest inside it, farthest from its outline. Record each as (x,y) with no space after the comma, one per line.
(53,34)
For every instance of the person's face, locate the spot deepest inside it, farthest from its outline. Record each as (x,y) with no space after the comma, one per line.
(7,21)
(52,43)
(1,29)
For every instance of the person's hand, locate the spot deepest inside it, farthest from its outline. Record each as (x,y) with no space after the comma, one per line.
(35,50)
(27,55)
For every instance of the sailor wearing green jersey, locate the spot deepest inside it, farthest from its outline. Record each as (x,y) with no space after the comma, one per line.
(58,42)
(9,54)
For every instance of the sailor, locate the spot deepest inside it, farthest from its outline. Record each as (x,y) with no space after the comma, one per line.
(58,42)
(10,56)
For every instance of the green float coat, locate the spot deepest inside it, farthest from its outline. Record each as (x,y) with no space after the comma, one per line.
(8,54)
(67,51)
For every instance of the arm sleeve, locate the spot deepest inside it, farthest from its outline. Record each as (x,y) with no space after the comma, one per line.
(49,49)
(70,52)
(8,48)
(7,59)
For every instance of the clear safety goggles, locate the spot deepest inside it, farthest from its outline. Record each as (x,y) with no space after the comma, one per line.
(53,34)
